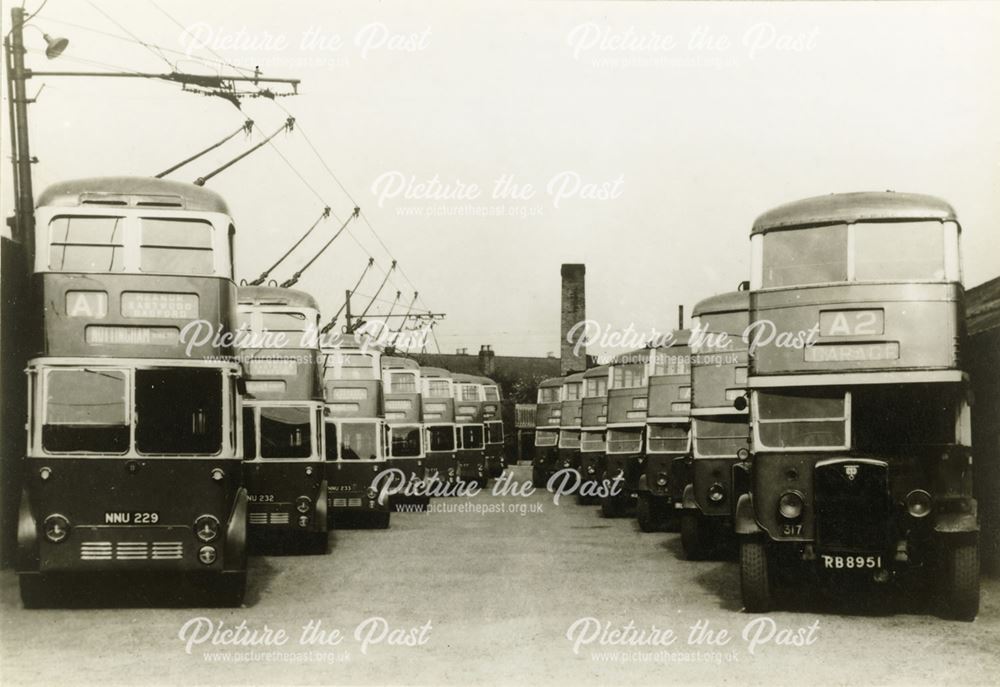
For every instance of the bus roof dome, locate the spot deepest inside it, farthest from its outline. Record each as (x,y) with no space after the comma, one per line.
(550,382)
(847,208)
(435,372)
(135,192)
(573,377)
(731,301)
(275,295)
(396,362)
(599,371)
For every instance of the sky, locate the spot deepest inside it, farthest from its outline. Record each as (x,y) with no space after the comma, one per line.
(489,143)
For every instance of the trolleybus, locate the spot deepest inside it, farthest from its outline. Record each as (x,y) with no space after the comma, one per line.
(133,466)
(470,433)
(283,452)
(493,426)
(441,461)
(861,465)
(354,432)
(404,441)
(570,421)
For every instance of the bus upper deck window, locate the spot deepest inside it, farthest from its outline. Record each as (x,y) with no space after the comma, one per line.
(438,388)
(492,393)
(87,244)
(179,411)
(86,411)
(573,392)
(629,376)
(805,256)
(899,250)
(292,322)
(174,246)
(597,387)
(403,383)
(470,392)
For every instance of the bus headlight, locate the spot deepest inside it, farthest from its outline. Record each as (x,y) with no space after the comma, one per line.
(661,479)
(302,504)
(56,528)
(206,527)
(790,505)
(716,493)
(371,493)
(207,555)
(919,503)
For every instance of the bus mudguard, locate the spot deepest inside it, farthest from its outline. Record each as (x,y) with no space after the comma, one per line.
(745,521)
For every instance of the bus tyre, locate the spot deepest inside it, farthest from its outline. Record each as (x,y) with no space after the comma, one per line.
(35,592)
(755,583)
(645,512)
(692,534)
(537,477)
(961,580)
(612,506)
(380,520)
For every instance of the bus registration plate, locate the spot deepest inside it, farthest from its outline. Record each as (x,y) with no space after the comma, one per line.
(857,562)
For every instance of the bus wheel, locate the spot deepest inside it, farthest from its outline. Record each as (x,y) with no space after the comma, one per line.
(755,583)
(612,506)
(537,477)
(380,520)
(691,536)
(35,591)
(961,580)
(223,591)
(645,513)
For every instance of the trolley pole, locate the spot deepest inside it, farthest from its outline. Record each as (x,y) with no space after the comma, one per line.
(347,309)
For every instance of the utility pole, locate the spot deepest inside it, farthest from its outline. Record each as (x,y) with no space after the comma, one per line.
(24,200)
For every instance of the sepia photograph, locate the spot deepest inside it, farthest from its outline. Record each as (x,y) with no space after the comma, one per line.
(540,342)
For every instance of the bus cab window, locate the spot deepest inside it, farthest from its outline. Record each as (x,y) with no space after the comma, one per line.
(86,411)
(472,436)
(802,418)
(668,438)
(889,416)
(285,432)
(178,411)
(720,436)
(440,438)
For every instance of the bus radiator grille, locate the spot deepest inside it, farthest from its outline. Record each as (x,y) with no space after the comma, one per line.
(131,551)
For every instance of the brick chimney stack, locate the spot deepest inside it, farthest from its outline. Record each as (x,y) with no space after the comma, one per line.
(487,361)
(573,310)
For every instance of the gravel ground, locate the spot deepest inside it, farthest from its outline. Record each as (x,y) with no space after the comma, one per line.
(488,597)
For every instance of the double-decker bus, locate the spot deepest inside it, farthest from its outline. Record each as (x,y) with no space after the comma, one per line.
(132,400)
(628,398)
(593,430)
(570,422)
(470,433)
(663,469)
(354,438)
(548,414)
(283,452)
(861,466)
(438,419)
(404,441)
(493,426)
(719,422)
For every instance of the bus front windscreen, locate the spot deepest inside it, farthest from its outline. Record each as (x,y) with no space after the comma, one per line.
(440,438)
(472,436)
(494,432)
(404,442)
(86,411)
(285,432)
(720,436)
(179,411)
(802,418)
(359,441)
